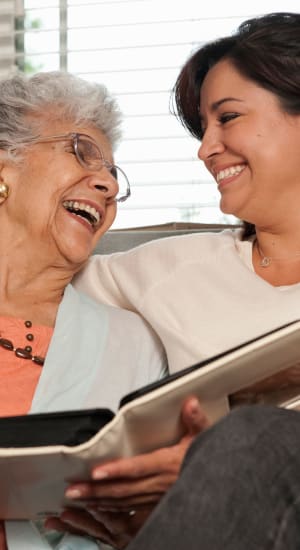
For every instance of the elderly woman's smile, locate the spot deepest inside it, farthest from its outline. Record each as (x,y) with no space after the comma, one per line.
(67,177)
(85,211)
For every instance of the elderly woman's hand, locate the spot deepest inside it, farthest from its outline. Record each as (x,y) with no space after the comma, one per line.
(114,528)
(124,492)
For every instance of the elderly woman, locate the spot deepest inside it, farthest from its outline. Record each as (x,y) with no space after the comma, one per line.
(58,193)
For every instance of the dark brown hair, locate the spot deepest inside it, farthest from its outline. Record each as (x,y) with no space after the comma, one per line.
(264,49)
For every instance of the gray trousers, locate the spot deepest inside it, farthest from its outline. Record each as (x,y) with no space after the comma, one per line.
(239,488)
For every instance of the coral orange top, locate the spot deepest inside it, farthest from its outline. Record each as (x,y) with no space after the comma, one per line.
(18,376)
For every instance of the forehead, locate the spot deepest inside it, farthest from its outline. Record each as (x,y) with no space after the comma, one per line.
(57,127)
(224,80)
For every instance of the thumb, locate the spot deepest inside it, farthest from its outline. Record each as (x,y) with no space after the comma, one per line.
(193,416)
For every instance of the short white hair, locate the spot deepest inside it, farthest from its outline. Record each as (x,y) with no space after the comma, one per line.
(27,102)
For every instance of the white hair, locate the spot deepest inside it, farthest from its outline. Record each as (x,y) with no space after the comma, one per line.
(27,102)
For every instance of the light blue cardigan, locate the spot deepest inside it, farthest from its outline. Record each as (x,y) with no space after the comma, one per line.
(97,354)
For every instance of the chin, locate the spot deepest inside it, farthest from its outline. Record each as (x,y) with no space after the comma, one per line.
(75,256)
(227,208)
(232,208)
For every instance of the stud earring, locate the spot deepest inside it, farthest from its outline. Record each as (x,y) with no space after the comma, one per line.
(4,192)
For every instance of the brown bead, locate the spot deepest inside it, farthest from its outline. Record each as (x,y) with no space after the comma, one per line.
(7,344)
(38,360)
(21,352)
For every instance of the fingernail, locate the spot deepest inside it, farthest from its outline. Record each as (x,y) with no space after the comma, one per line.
(99,474)
(194,404)
(73,493)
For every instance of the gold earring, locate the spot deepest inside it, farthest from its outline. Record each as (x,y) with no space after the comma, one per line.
(4,192)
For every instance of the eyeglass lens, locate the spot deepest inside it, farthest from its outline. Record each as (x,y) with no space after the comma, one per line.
(89,154)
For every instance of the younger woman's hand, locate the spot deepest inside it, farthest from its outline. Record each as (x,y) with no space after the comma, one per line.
(124,491)
(143,479)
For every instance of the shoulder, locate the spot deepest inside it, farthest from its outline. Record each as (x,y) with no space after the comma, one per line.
(189,247)
(125,278)
(186,241)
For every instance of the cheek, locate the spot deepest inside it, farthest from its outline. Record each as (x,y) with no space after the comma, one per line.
(110,216)
(111,213)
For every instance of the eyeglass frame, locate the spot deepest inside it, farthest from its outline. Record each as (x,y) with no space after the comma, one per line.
(74,136)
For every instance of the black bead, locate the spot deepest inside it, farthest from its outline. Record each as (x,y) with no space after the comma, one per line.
(38,360)
(7,344)
(21,352)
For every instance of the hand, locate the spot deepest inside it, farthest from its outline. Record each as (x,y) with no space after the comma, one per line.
(114,528)
(140,480)
(128,484)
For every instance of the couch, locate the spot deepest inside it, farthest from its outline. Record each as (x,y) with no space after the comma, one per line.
(118,240)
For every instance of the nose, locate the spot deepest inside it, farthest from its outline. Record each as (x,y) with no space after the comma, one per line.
(105,182)
(211,144)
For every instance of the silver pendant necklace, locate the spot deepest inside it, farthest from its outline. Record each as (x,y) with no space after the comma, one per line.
(266,261)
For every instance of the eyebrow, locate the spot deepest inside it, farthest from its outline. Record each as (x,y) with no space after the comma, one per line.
(216,104)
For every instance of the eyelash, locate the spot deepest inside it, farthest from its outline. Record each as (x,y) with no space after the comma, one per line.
(222,119)
(226,117)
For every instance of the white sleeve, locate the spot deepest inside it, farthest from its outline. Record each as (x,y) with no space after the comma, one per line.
(123,279)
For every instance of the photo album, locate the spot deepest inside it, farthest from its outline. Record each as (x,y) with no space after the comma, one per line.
(40,454)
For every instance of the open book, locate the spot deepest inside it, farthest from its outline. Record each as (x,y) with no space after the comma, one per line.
(33,478)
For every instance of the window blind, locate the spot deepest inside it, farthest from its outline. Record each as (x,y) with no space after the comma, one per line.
(7,46)
(136,48)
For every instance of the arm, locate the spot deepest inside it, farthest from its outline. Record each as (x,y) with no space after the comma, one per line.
(123,278)
(105,277)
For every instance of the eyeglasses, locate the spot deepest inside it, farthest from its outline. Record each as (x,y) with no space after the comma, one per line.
(90,156)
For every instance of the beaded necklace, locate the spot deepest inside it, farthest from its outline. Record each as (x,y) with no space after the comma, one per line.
(23,353)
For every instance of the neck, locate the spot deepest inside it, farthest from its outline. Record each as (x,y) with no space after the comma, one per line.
(265,260)
(279,244)
(39,303)
(31,287)
(276,258)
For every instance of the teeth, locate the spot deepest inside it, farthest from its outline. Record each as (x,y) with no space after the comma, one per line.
(75,205)
(229,172)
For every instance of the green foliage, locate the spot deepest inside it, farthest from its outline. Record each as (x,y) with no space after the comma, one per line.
(33,23)
(24,23)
